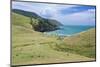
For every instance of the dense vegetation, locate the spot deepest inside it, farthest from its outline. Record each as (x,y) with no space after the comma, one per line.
(32,47)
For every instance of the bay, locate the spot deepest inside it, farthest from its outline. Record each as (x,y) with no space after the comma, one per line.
(69,30)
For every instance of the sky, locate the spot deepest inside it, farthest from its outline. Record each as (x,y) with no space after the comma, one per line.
(66,14)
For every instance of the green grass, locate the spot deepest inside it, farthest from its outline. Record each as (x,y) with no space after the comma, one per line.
(83,44)
(20,20)
(31,47)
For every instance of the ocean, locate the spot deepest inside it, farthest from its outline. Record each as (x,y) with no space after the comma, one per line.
(69,30)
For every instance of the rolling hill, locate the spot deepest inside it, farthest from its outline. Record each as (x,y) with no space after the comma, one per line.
(33,47)
(83,43)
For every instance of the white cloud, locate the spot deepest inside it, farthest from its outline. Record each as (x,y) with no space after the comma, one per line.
(80,18)
(53,11)
(41,8)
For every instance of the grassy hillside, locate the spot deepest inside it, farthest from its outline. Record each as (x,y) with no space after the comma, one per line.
(31,47)
(83,44)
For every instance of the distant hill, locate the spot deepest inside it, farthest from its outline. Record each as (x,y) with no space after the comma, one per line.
(25,13)
(39,23)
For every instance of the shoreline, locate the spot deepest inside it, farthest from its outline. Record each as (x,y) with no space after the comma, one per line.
(61,35)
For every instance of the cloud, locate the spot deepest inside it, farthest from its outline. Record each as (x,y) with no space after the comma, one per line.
(79,18)
(77,8)
(43,9)
(66,14)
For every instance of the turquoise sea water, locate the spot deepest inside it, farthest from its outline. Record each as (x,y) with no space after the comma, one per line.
(69,30)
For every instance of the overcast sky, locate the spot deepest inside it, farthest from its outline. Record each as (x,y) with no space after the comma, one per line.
(66,14)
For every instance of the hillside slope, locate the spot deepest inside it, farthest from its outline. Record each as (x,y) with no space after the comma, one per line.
(32,47)
(39,23)
(83,43)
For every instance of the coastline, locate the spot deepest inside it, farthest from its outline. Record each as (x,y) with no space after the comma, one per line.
(62,35)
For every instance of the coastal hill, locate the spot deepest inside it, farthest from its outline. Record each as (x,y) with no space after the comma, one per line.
(33,47)
(82,43)
(39,23)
